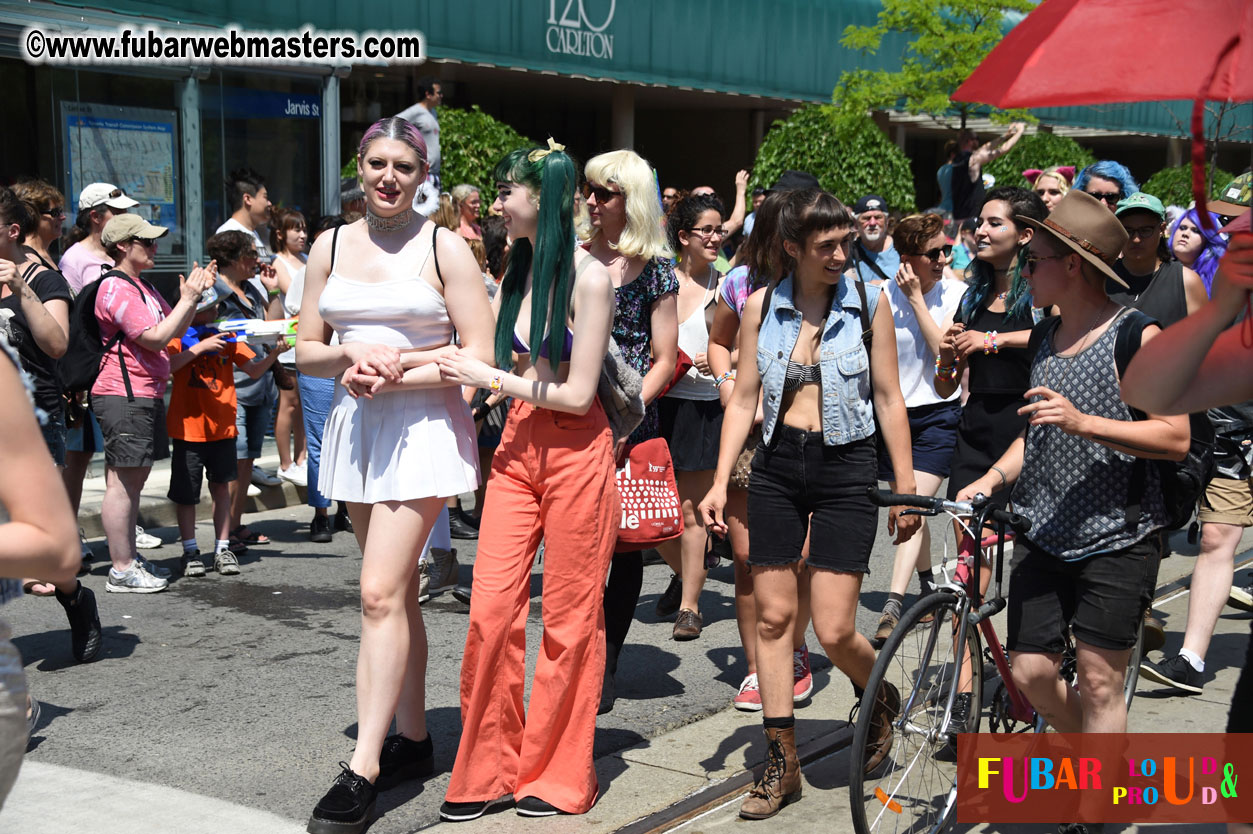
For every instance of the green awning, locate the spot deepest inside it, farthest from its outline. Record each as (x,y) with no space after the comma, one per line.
(788,49)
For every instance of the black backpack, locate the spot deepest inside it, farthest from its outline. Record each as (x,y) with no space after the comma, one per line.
(83,357)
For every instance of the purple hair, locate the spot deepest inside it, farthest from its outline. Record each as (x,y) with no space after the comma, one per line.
(1212,251)
(402,130)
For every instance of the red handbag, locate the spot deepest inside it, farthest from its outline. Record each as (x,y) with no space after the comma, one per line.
(651,511)
(682,364)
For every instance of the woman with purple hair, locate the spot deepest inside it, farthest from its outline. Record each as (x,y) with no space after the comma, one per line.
(1197,247)
(381,301)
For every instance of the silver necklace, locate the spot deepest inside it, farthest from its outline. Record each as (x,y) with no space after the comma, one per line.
(389,224)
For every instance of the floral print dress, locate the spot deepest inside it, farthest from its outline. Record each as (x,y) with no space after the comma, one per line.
(632,328)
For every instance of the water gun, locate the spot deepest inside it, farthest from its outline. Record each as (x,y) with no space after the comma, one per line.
(264,332)
(199,332)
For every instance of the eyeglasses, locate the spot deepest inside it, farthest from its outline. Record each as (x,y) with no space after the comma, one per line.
(1111,197)
(1143,232)
(934,254)
(710,231)
(603,194)
(250,255)
(1033,260)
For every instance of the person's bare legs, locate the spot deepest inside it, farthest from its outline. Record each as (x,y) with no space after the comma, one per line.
(287,419)
(239,490)
(775,590)
(186,515)
(76,466)
(1211,583)
(1099,675)
(1039,678)
(692,488)
(119,511)
(915,554)
(392,658)
(736,515)
(833,600)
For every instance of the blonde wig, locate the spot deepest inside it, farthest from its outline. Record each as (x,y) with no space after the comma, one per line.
(644,235)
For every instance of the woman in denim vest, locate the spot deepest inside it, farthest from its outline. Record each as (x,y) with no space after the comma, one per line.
(823,379)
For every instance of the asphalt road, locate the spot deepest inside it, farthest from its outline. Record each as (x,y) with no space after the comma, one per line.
(241,688)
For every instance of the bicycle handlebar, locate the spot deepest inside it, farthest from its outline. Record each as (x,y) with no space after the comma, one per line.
(1018,523)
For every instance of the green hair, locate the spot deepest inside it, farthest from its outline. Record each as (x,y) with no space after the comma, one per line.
(551,178)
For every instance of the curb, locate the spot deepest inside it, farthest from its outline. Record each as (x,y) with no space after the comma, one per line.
(159,511)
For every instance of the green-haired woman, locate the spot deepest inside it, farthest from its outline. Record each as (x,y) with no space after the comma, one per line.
(552,478)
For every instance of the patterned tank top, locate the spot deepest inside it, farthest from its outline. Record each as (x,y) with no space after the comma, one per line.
(1075,490)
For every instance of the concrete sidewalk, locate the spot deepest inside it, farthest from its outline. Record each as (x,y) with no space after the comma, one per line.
(157,510)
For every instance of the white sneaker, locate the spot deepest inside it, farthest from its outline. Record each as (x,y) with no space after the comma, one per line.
(261,477)
(294,474)
(155,570)
(146,541)
(253,490)
(135,580)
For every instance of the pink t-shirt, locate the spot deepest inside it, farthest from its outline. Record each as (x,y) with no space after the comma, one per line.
(80,267)
(119,306)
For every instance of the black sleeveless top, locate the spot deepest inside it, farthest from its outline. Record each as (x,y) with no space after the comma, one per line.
(1159,296)
(1008,371)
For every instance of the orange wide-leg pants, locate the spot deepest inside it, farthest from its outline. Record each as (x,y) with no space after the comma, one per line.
(552,476)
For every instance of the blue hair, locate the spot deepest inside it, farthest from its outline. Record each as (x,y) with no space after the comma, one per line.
(1110,170)
(1212,251)
(980,277)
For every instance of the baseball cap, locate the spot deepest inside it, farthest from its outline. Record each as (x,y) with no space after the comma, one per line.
(871,202)
(1140,201)
(126,226)
(213,295)
(794,181)
(104,194)
(1236,196)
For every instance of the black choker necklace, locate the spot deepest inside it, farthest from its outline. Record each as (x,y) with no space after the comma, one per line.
(389,224)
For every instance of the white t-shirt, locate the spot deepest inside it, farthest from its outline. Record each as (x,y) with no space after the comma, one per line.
(915,361)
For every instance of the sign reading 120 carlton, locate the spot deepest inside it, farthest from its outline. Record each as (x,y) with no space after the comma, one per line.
(577,27)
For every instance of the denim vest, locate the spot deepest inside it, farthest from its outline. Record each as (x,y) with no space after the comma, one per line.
(847,408)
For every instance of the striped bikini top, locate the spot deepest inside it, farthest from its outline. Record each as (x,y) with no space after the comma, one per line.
(798,375)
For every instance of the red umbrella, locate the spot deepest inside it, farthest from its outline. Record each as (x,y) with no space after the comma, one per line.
(1073,52)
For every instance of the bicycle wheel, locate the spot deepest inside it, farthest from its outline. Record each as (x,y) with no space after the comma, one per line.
(914,789)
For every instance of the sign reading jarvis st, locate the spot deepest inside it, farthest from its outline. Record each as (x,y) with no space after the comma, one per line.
(573,30)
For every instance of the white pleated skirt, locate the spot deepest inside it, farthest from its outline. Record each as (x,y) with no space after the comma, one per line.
(399,446)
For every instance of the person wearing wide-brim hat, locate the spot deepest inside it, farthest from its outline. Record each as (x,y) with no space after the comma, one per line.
(1089,555)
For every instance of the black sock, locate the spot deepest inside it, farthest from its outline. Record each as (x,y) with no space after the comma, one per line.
(779,723)
(926,578)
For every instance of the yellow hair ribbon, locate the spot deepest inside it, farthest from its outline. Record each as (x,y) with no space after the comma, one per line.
(537,155)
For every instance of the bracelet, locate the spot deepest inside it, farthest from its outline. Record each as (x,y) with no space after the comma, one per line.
(947,373)
(497,382)
(989,343)
(729,375)
(998,470)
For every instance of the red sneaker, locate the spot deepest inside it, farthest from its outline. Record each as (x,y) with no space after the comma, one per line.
(802,678)
(748,699)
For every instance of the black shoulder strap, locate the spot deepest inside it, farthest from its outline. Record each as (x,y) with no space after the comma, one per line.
(334,244)
(1041,332)
(1128,339)
(29,273)
(435,255)
(867,336)
(765,302)
(117,337)
(861,258)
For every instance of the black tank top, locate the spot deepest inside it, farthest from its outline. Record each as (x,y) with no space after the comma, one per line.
(1159,296)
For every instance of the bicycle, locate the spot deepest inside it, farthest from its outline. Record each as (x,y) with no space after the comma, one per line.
(930,661)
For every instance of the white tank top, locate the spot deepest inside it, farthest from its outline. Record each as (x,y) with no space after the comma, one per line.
(401,311)
(694,339)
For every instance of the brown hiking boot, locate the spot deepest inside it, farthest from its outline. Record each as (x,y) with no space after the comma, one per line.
(1154,632)
(884,711)
(887,623)
(780,784)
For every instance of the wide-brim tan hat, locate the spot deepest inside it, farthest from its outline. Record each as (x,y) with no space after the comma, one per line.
(1084,224)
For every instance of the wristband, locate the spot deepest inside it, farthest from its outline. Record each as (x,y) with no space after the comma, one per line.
(945,372)
(989,343)
(729,375)
(497,382)
(998,470)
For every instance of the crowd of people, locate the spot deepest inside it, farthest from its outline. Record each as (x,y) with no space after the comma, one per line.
(444,349)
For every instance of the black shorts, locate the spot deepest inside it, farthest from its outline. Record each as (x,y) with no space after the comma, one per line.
(192,460)
(134,430)
(800,486)
(1102,598)
(693,430)
(933,436)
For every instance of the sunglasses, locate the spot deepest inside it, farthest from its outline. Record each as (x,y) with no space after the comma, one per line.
(603,194)
(143,241)
(1033,260)
(54,213)
(1111,197)
(934,254)
(1143,232)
